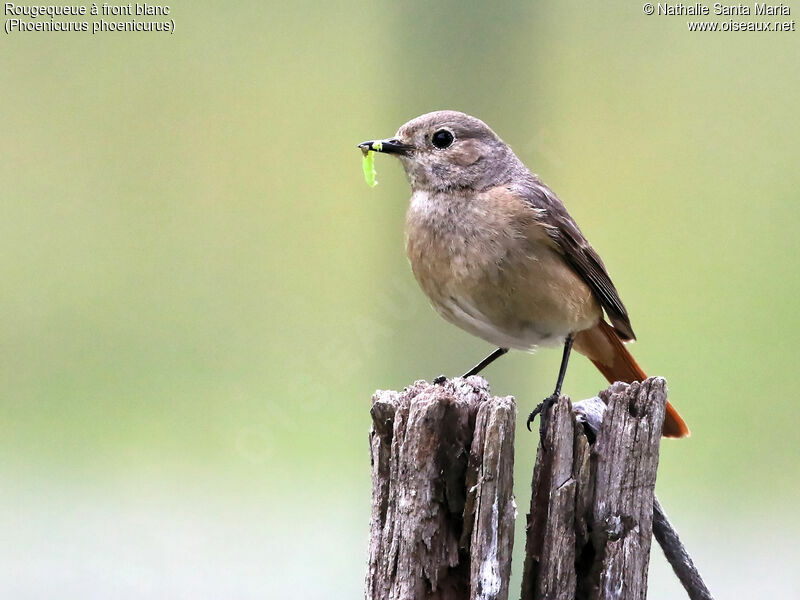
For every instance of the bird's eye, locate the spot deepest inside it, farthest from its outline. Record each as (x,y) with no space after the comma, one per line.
(442,139)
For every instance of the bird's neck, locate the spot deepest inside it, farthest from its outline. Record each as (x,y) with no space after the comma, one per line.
(451,217)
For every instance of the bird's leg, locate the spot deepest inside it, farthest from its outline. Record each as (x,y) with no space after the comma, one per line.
(552,399)
(486,362)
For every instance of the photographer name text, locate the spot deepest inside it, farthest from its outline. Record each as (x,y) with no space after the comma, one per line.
(698,9)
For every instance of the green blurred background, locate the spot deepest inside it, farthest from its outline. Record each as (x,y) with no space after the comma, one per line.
(200,293)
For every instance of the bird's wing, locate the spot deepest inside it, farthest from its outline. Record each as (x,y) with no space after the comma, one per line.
(577,251)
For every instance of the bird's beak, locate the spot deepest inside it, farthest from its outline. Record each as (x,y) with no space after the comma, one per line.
(390,146)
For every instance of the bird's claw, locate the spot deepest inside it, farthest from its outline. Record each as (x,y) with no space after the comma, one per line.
(439,380)
(541,409)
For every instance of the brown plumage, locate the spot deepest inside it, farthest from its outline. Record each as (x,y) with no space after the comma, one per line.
(497,272)
(498,254)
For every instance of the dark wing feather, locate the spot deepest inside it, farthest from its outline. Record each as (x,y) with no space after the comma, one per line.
(577,251)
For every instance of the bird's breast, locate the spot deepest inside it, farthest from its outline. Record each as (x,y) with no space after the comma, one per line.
(489,267)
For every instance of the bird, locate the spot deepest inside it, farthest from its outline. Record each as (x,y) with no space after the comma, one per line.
(498,255)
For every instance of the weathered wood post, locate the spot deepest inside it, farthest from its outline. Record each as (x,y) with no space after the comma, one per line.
(443,507)
(591,519)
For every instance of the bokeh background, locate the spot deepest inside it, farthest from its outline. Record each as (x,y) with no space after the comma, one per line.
(200,293)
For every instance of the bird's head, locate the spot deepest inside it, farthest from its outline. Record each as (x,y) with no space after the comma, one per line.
(449,150)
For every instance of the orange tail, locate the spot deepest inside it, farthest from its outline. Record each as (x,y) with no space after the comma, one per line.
(602,346)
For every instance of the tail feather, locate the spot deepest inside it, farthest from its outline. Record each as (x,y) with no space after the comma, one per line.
(602,346)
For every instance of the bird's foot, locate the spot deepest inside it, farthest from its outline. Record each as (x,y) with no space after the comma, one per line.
(542,409)
(439,380)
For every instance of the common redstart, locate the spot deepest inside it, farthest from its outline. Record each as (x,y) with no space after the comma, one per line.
(498,254)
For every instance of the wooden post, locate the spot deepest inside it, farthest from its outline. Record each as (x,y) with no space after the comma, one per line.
(443,508)
(591,518)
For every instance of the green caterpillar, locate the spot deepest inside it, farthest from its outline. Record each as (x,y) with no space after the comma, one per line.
(368,164)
